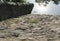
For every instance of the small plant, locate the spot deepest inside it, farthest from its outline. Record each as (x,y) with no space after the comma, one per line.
(23,39)
(7,22)
(34,20)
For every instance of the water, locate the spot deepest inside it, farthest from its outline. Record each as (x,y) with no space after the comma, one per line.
(50,8)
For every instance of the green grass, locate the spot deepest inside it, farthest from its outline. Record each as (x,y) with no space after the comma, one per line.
(24,40)
(34,20)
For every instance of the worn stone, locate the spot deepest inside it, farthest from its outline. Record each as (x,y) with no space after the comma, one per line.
(20,29)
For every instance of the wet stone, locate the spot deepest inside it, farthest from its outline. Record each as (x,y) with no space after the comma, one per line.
(58,33)
(3,28)
(58,36)
(50,39)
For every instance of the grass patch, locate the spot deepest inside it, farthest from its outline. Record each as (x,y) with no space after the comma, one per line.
(23,40)
(34,20)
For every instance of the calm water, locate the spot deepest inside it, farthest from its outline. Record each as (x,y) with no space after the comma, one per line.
(50,8)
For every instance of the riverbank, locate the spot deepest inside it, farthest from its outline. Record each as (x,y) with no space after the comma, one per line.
(31,28)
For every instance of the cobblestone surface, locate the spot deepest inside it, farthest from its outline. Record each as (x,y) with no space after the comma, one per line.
(31,28)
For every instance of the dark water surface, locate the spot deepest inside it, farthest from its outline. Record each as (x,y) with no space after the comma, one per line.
(48,8)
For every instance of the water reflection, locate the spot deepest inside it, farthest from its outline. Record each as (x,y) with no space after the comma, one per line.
(45,7)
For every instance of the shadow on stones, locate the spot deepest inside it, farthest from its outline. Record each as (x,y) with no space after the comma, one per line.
(11,11)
